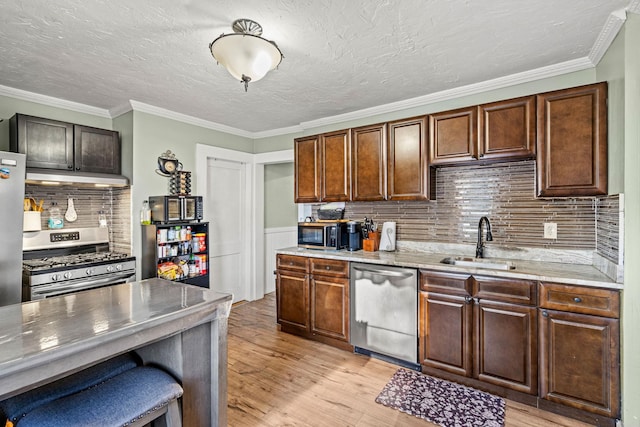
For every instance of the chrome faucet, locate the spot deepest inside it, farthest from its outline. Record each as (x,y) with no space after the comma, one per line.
(480,245)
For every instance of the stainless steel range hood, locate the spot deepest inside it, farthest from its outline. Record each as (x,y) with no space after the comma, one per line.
(61,177)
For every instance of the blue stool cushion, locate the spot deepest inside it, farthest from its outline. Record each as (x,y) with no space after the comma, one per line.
(16,407)
(118,401)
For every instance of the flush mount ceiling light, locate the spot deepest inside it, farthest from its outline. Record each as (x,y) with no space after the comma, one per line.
(247,56)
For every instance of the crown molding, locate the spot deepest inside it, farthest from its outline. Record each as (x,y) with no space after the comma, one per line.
(168,114)
(614,23)
(277,132)
(472,89)
(634,7)
(53,102)
(120,110)
(501,82)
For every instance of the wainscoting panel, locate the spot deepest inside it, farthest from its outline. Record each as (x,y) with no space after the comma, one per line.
(274,239)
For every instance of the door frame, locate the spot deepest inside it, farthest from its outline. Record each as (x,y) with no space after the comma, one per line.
(254,250)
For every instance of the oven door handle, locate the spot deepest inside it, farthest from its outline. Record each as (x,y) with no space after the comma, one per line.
(82,284)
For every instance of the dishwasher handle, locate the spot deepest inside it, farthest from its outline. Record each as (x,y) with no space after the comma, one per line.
(384,272)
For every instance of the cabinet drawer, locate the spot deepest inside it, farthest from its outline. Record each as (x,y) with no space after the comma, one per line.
(292,262)
(505,290)
(578,299)
(329,267)
(445,283)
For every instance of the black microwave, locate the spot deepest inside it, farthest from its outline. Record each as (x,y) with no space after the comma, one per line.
(176,208)
(323,235)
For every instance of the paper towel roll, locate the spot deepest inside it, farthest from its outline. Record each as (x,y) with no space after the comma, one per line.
(31,221)
(388,238)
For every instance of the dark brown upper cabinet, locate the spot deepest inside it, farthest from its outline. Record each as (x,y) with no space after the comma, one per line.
(369,163)
(52,144)
(408,172)
(307,169)
(572,142)
(335,171)
(453,136)
(503,130)
(96,150)
(508,129)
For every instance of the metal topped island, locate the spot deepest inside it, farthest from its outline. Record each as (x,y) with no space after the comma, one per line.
(181,328)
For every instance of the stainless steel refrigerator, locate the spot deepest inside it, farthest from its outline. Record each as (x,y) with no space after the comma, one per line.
(12,176)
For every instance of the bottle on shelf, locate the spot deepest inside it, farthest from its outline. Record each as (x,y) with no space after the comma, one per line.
(192,267)
(145,213)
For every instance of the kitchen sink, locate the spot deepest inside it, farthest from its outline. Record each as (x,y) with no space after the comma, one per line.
(489,263)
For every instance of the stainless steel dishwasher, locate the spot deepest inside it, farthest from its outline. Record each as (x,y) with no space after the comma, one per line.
(384,312)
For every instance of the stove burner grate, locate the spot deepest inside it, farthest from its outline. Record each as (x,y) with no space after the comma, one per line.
(71,260)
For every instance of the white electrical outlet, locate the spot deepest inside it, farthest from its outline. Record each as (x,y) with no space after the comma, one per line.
(550,230)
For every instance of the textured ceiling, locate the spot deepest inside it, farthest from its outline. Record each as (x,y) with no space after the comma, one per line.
(340,56)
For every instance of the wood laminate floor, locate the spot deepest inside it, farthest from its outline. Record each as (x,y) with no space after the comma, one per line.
(279,379)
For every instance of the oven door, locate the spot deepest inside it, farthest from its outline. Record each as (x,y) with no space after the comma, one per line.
(49,290)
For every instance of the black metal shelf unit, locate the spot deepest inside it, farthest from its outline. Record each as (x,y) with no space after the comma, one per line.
(168,247)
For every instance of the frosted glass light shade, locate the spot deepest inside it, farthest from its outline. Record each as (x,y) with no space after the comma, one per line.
(246,55)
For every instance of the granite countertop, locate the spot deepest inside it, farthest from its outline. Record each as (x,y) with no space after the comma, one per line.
(571,274)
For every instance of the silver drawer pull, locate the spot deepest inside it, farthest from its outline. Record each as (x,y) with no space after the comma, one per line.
(577,299)
(328,268)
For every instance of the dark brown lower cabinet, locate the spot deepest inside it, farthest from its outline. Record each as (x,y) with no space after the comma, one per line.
(330,307)
(292,290)
(474,329)
(506,345)
(445,333)
(580,347)
(313,298)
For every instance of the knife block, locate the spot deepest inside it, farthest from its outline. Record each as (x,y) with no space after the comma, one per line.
(372,243)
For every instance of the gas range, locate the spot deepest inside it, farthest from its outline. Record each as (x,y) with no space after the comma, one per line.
(57,262)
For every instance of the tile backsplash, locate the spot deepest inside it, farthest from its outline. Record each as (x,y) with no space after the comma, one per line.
(87,201)
(609,222)
(504,192)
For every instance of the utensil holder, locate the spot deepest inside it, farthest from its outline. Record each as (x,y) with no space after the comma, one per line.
(32,221)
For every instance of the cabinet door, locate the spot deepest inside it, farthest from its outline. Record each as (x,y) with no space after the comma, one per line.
(508,129)
(330,307)
(368,163)
(47,143)
(408,172)
(506,351)
(453,136)
(96,150)
(445,332)
(307,169)
(580,361)
(292,299)
(572,142)
(335,178)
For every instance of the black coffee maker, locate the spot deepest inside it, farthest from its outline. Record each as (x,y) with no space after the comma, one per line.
(354,231)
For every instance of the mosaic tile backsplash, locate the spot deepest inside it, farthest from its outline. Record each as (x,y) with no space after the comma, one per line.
(609,223)
(115,202)
(505,193)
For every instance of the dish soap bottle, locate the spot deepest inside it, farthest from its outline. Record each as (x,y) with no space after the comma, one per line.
(145,213)
(55,217)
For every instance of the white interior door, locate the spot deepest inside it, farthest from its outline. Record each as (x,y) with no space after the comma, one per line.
(226,210)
